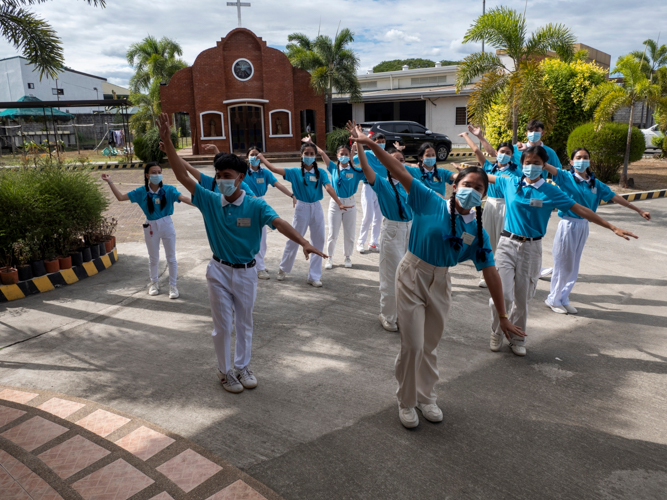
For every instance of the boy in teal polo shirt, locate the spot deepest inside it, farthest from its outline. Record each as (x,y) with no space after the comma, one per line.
(234,225)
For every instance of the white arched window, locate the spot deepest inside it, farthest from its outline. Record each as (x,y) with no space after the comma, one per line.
(212,125)
(280,123)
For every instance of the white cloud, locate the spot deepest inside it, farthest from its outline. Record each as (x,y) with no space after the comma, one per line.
(395,35)
(436,51)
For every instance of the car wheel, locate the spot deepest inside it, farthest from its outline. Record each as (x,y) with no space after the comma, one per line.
(442,152)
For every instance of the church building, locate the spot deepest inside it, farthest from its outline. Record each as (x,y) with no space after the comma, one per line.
(242,94)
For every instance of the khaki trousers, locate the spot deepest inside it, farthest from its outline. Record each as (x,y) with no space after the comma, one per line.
(423,296)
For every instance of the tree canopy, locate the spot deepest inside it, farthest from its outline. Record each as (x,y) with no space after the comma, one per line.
(415,63)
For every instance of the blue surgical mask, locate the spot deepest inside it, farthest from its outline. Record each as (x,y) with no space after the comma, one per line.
(532,171)
(155,178)
(382,145)
(344,159)
(468,197)
(581,165)
(534,136)
(503,159)
(227,187)
(254,160)
(308,160)
(429,161)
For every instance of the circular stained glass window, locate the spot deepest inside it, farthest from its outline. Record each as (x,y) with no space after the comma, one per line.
(243,69)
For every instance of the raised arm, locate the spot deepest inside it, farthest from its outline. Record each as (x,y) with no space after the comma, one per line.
(587,213)
(551,169)
(176,165)
(119,196)
(477,132)
(271,166)
(478,154)
(185,199)
(194,172)
(625,203)
(320,151)
(394,166)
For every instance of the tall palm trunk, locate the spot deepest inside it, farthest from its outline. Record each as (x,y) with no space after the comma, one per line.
(515,125)
(330,107)
(624,176)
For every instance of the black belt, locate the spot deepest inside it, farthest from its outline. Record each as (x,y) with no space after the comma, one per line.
(236,266)
(516,237)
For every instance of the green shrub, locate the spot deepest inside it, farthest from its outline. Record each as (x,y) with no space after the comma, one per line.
(147,146)
(337,137)
(607,147)
(660,141)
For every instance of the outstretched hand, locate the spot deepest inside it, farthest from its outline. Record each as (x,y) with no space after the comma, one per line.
(458,166)
(645,214)
(345,207)
(164,127)
(398,146)
(357,134)
(476,131)
(161,147)
(509,328)
(210,148)
(306,139)
(463,134)
(106,177)
(624,234)
(521,146)
(308,249)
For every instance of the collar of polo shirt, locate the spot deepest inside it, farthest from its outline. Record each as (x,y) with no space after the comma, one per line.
(236,202)
(535,185)
(467,218)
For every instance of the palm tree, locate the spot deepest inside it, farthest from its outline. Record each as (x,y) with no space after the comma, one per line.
(611,96)
(155,62)
(34,37)
(330,63)
(653,58)
(520,84)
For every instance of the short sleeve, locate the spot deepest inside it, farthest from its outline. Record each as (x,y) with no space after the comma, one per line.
(564,179)
(331,167)
(502,184)
(206,181)
(267,214)
(355,159)
(553,159)
(270,178)
(137,195)
(324,177)
(290,175)
(558,198)
(378,184)
(248,190)
(172,194)
(418,197)
(448,176)
(488,166)
(205,200)
(606,193)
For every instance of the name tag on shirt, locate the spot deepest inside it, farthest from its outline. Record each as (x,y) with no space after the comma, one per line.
(535,202)
(467,238)
(594,190)
(157,200)
(260,181)
(349,176)
(312,178)
(242,222)
(435,181)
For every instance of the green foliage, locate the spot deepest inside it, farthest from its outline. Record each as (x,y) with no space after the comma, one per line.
(660,141)
(607,147)
(147,146)
(45,209)
(397,64)
(338,137)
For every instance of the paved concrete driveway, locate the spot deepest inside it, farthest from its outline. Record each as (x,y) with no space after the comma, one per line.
(582,416)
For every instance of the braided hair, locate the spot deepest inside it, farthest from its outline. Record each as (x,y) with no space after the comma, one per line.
(591,174)
(149,198)
(455,241)
(314,164)
(401,211)
(420,156)
(532,150)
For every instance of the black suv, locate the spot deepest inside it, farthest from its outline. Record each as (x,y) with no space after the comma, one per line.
(411,135)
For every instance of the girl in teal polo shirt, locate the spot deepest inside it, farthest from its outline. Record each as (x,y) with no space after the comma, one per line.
(157,202)
(580,183)
(427,172)
(530,201)
(308,182)
(442,235)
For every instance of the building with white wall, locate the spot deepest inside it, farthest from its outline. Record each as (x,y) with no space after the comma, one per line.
(20,78)
(425,95)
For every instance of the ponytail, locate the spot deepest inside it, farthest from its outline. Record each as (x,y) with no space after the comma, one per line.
(454,240)
(523,177)
(481,251)
(401,210)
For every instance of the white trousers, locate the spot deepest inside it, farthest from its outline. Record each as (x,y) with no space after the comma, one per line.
(306,216)
(493,220)
(161,229)
(569,243)
(232,294)
(393,247)
(262,248)
(349,221)
(424,294)
(371,213)
(519,268)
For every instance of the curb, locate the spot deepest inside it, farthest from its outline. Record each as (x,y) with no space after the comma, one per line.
(57,280)
(643,195)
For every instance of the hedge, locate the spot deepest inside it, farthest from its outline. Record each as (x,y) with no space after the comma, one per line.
(337,137)
(147,146)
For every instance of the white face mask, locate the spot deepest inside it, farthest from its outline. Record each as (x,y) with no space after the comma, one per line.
(227,187)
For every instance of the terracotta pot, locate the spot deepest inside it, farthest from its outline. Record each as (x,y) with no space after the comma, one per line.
(77,258)
(9,276)
(108,246)
(51,266)
(113,238)
(86,254)
(103,249)
(65,262)
(38,268)
(25,273)
(95,251)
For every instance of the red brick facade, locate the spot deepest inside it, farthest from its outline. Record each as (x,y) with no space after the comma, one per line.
(205,90)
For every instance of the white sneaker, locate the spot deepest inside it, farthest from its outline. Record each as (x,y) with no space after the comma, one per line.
(263,275)
(496,342)
(315,283)
(482,284)
(431,412)
(519,350)
(546,271)
(348,262)
(373,248)
(329,264)
(390,327)
(408,417)
(361,249)
(281,275)
(173,292)
(556,309)
(229,382)
(570,309)
(154,289)
(247,378)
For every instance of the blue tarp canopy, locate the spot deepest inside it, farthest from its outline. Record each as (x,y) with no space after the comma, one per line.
(25,113)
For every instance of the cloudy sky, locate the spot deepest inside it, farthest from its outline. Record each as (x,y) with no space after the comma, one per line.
(95,40)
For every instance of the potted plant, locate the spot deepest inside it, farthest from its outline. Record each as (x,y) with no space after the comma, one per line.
(108,227)
(50,257)
(76,255)
(8,273)
(23,251)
